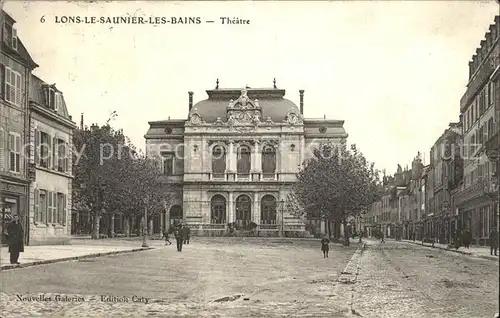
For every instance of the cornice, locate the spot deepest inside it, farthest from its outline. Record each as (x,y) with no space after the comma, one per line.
(50,115)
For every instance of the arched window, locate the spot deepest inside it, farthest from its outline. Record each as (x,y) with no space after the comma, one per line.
(218,208)
(268,210)
(244,161)
(243,211)
(218,161)
(268,161)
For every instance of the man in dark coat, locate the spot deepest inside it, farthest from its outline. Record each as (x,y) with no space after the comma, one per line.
(186,233)
(324,246)
(15,239)
(467,237)
(493,241)
(178,237)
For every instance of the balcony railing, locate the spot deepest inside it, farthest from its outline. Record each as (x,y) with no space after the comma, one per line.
(244,176)
(484,186)
(218,176)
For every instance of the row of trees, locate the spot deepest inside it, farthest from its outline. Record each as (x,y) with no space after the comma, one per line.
(336,183)
(111,176)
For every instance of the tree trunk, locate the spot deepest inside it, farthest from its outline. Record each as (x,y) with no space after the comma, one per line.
(126,226)
(150,227)
(112,226)
(346,233)
(336,227)
(328,229)
(97,221)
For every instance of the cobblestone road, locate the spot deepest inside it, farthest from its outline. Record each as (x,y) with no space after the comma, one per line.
(210,278)
(405,280)
(257,278)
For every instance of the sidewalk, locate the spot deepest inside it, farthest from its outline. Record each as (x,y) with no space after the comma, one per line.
(477,251)
(46,254)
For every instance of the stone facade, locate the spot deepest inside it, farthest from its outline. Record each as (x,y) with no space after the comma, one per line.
(25,109)
(478,108)
(15,68)
(235,158)
(51,133)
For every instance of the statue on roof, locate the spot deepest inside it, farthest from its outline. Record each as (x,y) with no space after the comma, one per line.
(243,99)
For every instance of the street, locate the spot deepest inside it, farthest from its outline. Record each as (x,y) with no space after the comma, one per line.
(234,277)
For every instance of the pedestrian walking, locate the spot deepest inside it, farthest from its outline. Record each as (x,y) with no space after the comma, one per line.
(15,239)
(178,237)
(467,238)
(186,233)
(382,237)
(166,234)
(324,246)
(493,241)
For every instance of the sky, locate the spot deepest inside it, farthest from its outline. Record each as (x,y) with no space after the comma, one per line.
(394,71)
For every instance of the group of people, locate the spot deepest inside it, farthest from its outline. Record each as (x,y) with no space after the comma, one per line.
(182,234)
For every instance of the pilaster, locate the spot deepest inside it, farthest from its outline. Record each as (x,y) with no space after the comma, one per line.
(232,156)
(231,217)
(256,208)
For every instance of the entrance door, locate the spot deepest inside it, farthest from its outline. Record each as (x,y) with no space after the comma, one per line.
(243,212)
(9,209)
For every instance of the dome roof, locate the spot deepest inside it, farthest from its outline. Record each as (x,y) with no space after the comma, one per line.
(271,102)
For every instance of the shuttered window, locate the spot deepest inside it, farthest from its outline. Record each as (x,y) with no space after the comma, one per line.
(14,152)
(12,86)
(61,208)
(43,206)
(36,203)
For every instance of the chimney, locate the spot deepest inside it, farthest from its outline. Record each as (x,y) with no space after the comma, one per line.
(81,121)
(301,92)
(190,100)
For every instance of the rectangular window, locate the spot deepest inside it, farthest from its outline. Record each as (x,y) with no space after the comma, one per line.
(45,154)
(53,98)
(52,208)
(12,86)
(10,35)
(14,152)
(61,208)
(60,155)
(14,38)
(168,164)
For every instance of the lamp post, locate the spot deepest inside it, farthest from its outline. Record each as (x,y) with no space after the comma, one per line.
(281,207)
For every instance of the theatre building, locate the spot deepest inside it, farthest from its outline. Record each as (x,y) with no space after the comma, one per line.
(234,160)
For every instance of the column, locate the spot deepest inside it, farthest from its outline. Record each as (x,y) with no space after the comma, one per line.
(256,208)
(230,207)
(232,157)
(253,159)
(258,157)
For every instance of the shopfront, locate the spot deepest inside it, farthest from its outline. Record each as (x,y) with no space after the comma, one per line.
(12,202)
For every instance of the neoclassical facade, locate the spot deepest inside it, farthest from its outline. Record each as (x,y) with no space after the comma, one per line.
(235,158)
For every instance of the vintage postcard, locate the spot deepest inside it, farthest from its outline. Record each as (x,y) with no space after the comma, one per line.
(249,158)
